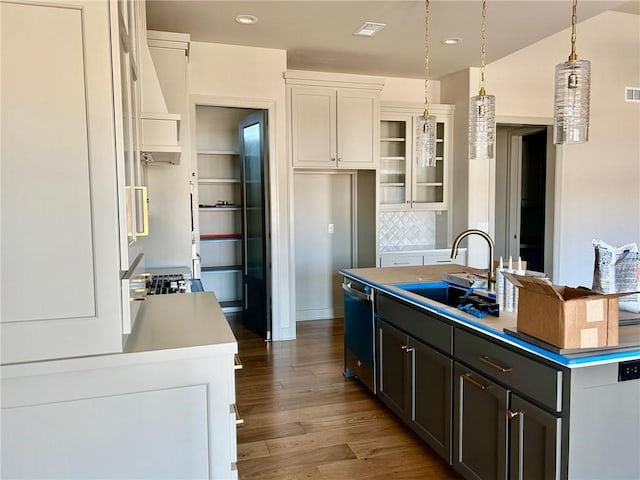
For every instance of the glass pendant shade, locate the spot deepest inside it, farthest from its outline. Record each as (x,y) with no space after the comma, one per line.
(426,141)
(482,127)
(571,102)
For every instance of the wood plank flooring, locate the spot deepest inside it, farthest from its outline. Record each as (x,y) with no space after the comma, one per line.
(304,420)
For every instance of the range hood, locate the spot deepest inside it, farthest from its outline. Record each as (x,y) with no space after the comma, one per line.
(160,129)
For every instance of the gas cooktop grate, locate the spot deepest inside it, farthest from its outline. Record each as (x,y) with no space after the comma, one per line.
(166,284)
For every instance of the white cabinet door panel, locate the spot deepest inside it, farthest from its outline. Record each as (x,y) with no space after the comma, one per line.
(154,434)
(313,126)
(60,276)
(39,157)
(357,129)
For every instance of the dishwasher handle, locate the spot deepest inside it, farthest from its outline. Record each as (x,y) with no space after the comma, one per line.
(353,292)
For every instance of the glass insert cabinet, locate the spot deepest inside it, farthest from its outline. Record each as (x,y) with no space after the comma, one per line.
(403,184)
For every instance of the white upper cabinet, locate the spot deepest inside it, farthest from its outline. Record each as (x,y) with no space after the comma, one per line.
(334,120)
(60,200)
(403,183)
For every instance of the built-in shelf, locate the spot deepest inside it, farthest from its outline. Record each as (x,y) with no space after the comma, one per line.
(219,209)
(221,237)
(222,268)
(216,152)
(217,181)
(232,306)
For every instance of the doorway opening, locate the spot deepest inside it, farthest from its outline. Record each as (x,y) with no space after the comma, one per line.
(525,179)
(231,220)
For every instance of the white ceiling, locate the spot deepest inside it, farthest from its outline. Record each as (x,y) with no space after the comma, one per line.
(317,34)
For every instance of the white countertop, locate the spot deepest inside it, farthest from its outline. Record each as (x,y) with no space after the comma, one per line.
(169,327)
(180,321)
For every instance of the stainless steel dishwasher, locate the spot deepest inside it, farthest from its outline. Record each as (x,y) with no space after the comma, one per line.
(359,328)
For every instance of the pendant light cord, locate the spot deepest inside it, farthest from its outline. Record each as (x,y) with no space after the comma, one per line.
(426,59)
(574,17)
(483,46)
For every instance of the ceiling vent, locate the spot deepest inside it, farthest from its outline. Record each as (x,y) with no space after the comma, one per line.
(369,29)
(632,94)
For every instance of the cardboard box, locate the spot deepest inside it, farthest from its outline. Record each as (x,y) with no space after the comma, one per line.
(563,316)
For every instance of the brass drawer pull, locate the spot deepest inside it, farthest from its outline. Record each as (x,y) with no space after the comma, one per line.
(239,421)
(494,364)
(473,381)
(237,364)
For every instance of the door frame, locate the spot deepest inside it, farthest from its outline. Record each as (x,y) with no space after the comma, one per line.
(520,127)
(269,106)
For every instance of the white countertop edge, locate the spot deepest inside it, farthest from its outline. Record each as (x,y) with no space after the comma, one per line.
(117,360)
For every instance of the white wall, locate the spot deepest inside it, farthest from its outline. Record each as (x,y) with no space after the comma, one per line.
(409,90)
(254,76)
(471,180)
(598,183)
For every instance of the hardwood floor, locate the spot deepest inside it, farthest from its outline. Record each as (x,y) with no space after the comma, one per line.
(304,420)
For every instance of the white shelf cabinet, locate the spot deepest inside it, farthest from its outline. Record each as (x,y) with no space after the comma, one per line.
(63,131)
(403,184)
(334,120)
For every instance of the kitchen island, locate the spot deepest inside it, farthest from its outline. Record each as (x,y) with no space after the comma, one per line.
(164,408)
(492,404)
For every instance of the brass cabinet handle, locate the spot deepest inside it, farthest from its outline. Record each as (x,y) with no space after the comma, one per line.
(239,421)
(333,159)
(145,211)
(469,377)
(237,364)
(494,364)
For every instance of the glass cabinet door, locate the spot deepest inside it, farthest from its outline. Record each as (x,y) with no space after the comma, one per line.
(395,158)
(428,185)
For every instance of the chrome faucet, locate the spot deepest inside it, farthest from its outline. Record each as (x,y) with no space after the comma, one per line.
(491,276)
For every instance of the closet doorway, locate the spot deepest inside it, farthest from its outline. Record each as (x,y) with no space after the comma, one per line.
(525,181)
(231,220)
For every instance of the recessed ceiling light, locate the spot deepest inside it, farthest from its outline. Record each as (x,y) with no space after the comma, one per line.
(246,19)
(451,41)
(369,29)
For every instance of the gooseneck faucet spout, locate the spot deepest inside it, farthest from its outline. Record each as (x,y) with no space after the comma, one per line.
(491,277)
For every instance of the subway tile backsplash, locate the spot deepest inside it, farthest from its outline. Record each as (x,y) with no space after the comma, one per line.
(399,230)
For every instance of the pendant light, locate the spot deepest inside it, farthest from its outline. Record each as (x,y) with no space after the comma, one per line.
(482,109)
(426,124)
(571,99)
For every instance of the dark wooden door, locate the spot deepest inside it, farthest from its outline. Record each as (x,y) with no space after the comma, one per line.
(535,441)
(431,391)
(480,426)
(394,388)
(252,139)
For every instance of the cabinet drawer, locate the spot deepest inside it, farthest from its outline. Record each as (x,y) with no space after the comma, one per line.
(400,260)
(534,379)
(419,324)
(438,258)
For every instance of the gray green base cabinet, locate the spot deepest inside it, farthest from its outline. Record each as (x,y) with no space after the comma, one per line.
(415,383)
(494,411)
